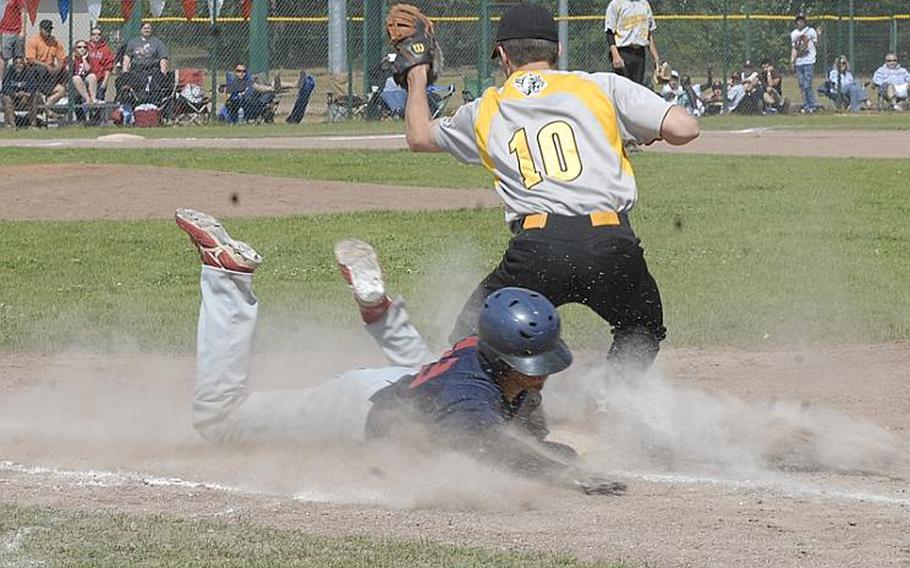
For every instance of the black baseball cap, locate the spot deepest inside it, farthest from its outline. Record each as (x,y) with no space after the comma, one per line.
(526,21)
(46,25)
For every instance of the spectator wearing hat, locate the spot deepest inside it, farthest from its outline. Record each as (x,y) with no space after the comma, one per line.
(12,32)
(803,41)
(48,57)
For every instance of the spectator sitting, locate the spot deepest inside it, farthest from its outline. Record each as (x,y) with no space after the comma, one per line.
(48,58)
(744,94)
(145,66)
(772,93)
(13,17)
(678,93)
(713,98)
(19,92)
(246,93)
(892,81)
(842,84)
(101,61)
(84,81)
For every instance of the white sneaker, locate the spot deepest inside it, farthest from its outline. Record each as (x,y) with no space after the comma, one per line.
(359,265)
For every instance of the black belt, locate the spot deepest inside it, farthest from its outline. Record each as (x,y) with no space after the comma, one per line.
(607,218)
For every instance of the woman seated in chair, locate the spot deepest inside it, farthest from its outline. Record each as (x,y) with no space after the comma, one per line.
(842,88)
(245,93)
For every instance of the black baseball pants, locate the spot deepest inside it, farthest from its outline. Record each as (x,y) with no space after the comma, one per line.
(569,260)
(634,59)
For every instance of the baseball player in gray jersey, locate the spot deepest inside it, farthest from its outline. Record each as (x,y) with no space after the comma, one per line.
(553,141)
(629,25)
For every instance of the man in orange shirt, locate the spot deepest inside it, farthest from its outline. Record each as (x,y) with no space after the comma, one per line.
(47,57)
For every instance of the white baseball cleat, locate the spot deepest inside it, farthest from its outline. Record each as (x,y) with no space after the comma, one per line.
(360,268)
(215,246)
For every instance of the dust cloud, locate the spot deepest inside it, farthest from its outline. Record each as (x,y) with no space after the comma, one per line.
(650,423)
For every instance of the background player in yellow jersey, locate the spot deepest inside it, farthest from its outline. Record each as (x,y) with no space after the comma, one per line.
(629,25)
(553,140)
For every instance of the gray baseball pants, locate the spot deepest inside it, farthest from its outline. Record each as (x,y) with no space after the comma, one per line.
(226,411)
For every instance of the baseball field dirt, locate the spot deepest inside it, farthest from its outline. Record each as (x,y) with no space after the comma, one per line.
(783,456)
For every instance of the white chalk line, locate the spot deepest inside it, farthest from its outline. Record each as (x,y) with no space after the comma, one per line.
(100,478)
(788,488)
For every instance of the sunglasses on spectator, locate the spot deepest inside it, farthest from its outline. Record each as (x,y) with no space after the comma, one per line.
(96,33)
(80,46)
(891,61)
(240,70)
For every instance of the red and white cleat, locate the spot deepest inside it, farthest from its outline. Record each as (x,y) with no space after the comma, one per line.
(215,246)
(360,268)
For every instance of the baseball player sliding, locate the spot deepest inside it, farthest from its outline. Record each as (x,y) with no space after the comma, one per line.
(553,141)
(479,397)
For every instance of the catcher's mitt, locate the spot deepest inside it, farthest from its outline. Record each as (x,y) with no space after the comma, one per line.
(414,40)
(661,76)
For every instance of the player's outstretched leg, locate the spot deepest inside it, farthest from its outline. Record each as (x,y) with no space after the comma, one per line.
(387,321)
(215,246)
(227,322)
(360,268)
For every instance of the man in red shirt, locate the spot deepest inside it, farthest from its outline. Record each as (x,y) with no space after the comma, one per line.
(12,32)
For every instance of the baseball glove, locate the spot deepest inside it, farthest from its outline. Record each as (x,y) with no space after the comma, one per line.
(411,34)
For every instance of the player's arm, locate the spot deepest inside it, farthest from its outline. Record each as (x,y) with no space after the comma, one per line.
(419,128)
(652,46)
(679,127)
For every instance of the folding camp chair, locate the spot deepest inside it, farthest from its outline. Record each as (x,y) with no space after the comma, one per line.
(189,103)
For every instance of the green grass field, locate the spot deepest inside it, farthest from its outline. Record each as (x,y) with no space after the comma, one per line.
(744,256)
(314,127)
(54,538)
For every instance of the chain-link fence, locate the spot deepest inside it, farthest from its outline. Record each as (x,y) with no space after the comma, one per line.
(342,42)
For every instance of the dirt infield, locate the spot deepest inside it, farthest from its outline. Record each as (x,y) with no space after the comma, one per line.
(706,500)
(786,457)
(73,192)
(755,141)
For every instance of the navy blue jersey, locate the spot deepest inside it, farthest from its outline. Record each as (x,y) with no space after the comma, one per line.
(455,394)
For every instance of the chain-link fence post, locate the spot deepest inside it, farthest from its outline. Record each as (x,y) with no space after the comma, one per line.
(850,31)
(747,30)
(213,56)
(726,54)
(564,34)
(372,48)
(259,37)
(892,44)
(483,64)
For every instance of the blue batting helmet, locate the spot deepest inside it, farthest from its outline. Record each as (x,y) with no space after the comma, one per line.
(520,328)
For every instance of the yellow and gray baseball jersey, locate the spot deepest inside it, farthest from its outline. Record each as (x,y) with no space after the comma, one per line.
(631,22)
(553,140)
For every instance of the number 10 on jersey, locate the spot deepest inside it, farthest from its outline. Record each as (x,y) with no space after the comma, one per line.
(558,151)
